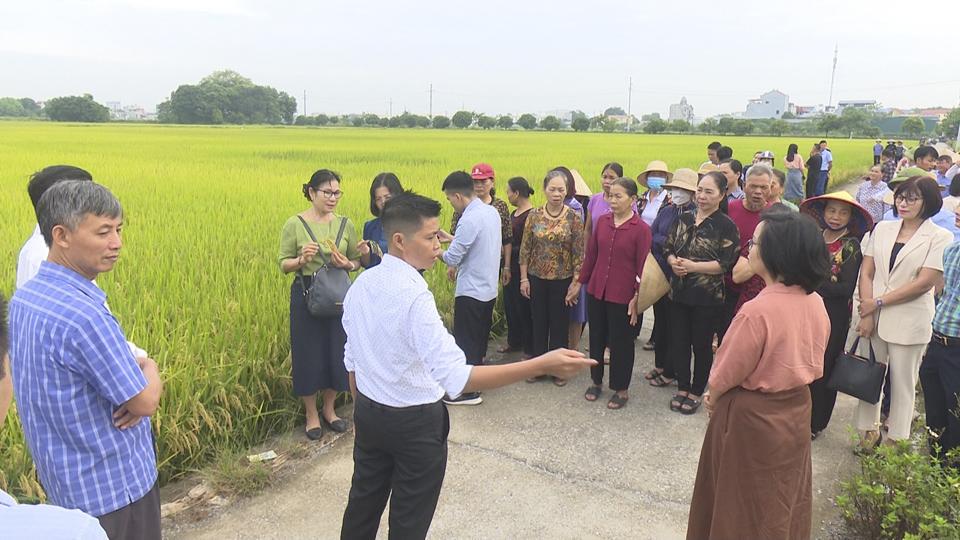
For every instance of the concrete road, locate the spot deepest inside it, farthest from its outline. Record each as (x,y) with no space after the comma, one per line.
(537,461)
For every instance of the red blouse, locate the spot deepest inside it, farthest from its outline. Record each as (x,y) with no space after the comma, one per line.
(614,259)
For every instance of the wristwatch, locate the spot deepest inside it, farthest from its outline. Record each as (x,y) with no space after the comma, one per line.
(879,302)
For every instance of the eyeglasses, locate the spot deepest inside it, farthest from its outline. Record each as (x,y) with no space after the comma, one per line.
(330,194)
(904,199)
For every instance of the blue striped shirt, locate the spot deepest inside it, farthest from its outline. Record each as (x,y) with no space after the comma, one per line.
(71,370)
(947,318)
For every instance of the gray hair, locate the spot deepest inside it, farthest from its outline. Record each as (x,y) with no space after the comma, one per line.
(759,169)
(67,203)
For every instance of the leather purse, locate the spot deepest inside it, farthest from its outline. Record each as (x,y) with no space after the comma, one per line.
(328,286)
(857,376)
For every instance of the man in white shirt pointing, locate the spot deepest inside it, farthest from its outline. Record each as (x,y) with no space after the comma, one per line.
(401,361)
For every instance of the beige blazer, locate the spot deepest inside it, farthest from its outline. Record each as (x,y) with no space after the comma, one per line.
(908,323)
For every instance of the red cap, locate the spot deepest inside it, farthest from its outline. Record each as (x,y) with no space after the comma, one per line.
(482,171)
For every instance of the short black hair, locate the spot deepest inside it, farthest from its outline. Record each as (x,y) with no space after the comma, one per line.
(792,249)
(945,158)
(955,186)
(780,177)
(715,145)
(387,180)
(629,184)
(925,151)
(735,165)
(405,213)
(317,179)
(889,152)
(43,179)
(822,141)
(520,185)
(924,187)
(613,166)
(724,152)
(459,182)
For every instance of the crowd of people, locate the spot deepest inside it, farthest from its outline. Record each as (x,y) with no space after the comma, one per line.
(755,276)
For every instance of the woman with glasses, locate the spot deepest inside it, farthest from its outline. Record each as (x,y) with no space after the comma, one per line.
(385,186)
(902,262)
(308,241)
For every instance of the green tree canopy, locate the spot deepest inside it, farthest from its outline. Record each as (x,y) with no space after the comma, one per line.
(614,111)
(913,126)
(742,127)
(76,109)
(779,127)
(12,107)
(527,121)
(708,126)
(951,123)
(581,123)
(440,122)
(505,122)
(462,119)
(550,123)
(486,122)
(679,126)
(227,97)
(656,125)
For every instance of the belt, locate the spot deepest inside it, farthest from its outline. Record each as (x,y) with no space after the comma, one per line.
(412,408)
(946,341)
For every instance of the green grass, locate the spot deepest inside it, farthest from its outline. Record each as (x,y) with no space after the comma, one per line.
(198,283)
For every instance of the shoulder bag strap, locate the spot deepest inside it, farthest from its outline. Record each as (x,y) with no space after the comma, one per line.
(303,283)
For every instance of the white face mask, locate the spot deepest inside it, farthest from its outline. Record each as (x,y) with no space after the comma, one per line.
(679,197)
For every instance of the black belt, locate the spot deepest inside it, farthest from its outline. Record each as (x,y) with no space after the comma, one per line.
(946,341)
(412,408)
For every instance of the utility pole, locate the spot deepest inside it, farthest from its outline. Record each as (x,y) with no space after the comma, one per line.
(304,102)
(431,101)
(630,104)
(833,75)
(390,114)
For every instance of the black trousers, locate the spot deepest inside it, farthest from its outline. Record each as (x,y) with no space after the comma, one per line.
(813,179)
(551,315)
(876,160)
(725,316)
(823,399)
(940,381)
(692,327)
(136,521)
(472,320)
(400,453)
(661,337)
(610,327)
(519,317)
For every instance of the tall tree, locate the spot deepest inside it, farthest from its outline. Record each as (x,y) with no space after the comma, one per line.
(581,123)
(505,122)
(655,126)
(440,122)
(913,126)
(550,123)
(828,123)
(614,111)
(227,97)
(527,121)
(462,119)
(76,109)
(951,123)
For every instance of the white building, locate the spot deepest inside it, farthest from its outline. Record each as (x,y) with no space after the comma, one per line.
(681,111)
(769,105)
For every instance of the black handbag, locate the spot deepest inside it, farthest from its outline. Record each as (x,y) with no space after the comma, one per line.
(329,285)
(856,376)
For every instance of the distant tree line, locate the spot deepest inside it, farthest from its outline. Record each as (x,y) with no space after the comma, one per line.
(226,97)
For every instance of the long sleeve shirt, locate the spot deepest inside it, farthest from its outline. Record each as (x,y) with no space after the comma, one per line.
(552,247)
(475,251)
(757,354)
(714,239)
(397,346)
(614,259)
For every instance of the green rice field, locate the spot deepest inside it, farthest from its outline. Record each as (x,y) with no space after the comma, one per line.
(198,283)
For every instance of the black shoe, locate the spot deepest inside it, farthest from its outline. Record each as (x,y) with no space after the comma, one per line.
(469,398)
(315,434)
(339,425)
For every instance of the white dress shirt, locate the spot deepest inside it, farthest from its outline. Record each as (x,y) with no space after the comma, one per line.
(44,521)
(397,346)
(34,252)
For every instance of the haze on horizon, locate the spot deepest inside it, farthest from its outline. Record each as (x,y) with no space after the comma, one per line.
(494,57)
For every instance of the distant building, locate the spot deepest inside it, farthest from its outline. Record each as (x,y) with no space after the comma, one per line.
(681,111)
(769,105)
(856,104)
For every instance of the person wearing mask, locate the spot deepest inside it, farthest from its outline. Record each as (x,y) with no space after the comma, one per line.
(517,308)
(732,169)
(308,241)
(611,272)
(681,189)
(902,262)
(385,185)
(653,178)
(700,249)
(474,253)
(755,474)
(871,192)
(814,165)
(877,151)
(793,190)
(826,165)
(745,214)
(550,260)
(940,370)
(777,187)
(843,223)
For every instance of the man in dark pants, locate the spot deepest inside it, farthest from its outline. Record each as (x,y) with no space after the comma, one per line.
(401,361)
(475,253)
(940,370)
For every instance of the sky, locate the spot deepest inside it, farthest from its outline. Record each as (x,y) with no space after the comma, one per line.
(494,56)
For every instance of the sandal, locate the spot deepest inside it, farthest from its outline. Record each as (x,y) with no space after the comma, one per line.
(617,402)
(592,393)
(660,381)
(653,374)
(869,442)
(557,381)
(677,402)
(690,405)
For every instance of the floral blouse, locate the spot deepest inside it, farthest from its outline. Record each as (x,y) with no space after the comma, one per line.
(552,248)
(845,259)
(715,239)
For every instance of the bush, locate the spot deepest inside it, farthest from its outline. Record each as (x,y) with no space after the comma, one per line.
(900,493)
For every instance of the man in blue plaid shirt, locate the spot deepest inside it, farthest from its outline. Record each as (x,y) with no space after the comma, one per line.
(940,370)
(83,399)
